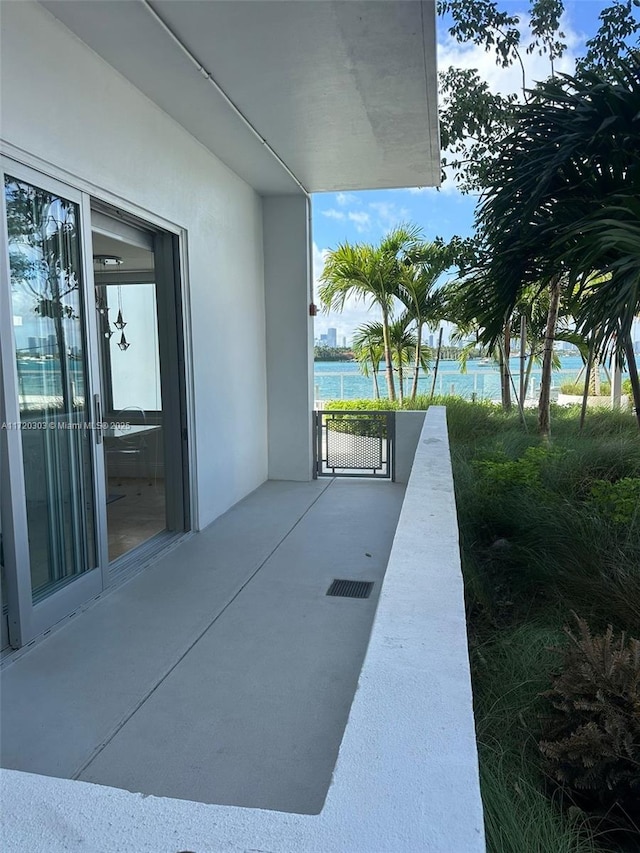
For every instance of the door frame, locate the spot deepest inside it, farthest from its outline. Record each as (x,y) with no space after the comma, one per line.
(165,247)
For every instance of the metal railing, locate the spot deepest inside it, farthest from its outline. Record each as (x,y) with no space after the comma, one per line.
(354,444)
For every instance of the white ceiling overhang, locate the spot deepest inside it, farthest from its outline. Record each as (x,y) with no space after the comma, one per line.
(313,93)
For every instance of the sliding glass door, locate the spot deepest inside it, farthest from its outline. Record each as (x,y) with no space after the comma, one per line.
(93,461)
(49,419)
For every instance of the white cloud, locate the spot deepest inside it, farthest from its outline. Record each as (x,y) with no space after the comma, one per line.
(333,214)
(418,190)
(343,199)
(388,214)
(361,220)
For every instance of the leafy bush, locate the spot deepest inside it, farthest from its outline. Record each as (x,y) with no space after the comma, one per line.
(619,501)
(517,473)
(382,405)
(366,424)
(591,741)
(577,388)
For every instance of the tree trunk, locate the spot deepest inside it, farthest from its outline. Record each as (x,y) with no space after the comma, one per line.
(544,404)
(528,376)
(505,370)
(587,385)
(435,369)
(416,366)
(523,356)
(594,376)
(374,368)
(633,373)
(387,356)
(400,378)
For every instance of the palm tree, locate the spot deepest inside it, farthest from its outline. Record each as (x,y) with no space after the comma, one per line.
(563,206)
(463,305)
(368,349)
(371,274)
(417,292)
(403,343)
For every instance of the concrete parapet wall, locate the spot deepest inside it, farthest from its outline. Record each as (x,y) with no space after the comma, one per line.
(408,428)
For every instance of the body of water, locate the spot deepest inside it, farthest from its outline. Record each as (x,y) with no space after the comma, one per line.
(40,382)
(342,380)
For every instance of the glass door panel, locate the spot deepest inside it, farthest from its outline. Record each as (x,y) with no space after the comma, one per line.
(132,391)
(54,401)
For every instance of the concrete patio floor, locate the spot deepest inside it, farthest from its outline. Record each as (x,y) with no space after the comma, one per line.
(222,673)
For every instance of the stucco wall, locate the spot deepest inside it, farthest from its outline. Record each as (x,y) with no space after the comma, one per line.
(289,336)
(60,102)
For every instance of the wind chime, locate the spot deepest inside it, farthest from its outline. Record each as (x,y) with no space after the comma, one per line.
(103,308)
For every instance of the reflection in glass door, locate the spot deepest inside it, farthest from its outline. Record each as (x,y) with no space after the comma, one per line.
(46,283)
(132,402)
(142,385)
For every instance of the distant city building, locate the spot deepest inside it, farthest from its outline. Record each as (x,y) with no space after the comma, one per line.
(323,341)
(332,337)
(344,341)
(431,341)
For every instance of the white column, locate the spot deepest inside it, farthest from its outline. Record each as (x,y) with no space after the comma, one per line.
(289,335)
(616,386)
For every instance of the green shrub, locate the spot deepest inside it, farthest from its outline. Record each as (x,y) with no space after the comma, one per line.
(381,405)
(365,424)
(591,739)
(619,501)
(517,473)
(531,531)
(577,388)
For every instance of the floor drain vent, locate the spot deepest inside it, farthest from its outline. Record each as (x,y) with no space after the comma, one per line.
(351,589)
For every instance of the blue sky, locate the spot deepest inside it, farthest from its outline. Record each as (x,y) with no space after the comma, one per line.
(367,216)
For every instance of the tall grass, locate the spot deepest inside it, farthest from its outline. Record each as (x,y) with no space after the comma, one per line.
(534,548)
(545,540)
